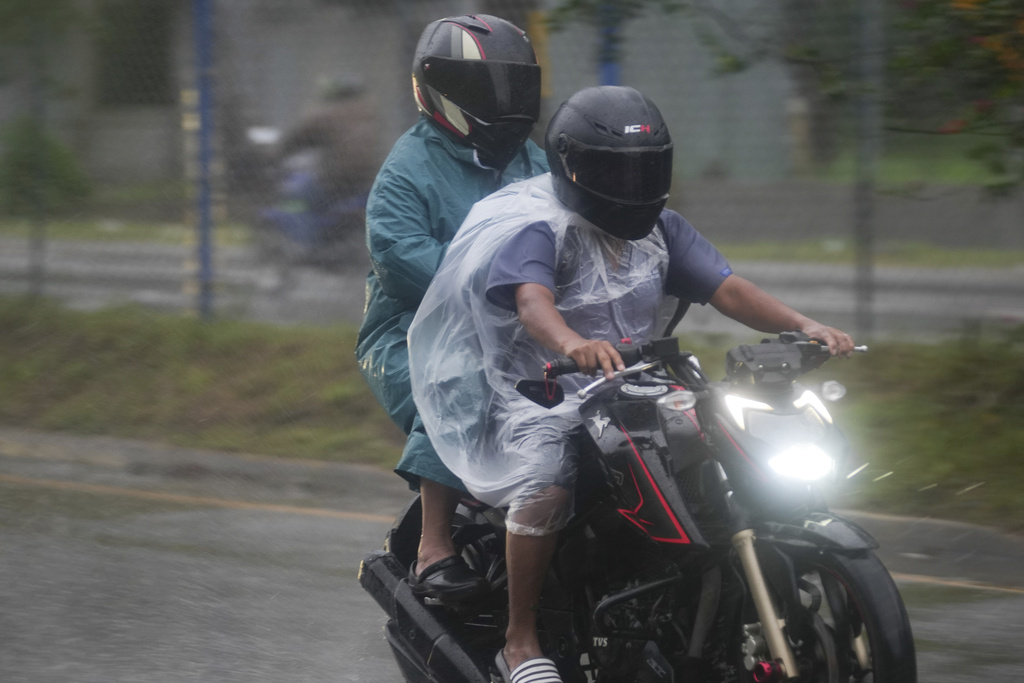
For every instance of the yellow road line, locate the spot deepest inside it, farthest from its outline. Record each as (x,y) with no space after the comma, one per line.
(921,578)
(360,516)
(191,500)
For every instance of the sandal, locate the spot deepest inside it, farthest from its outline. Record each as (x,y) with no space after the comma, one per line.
(448,581)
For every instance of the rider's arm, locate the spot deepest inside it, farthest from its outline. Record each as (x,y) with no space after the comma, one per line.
(747,303)
(536,308)
(522,279)
(404,252)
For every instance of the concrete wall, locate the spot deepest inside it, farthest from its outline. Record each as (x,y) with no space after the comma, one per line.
(271,56)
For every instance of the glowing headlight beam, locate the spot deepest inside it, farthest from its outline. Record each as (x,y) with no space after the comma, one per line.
(804,462)
(857,471)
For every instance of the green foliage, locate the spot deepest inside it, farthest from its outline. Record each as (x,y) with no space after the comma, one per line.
(22,21)
(959,67)
(609,15)
(37,172)
(601,12)
(953,67)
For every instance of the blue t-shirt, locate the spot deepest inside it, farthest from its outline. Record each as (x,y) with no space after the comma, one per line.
(695,267)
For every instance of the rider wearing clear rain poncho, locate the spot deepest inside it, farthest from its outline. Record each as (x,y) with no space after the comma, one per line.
(468,347)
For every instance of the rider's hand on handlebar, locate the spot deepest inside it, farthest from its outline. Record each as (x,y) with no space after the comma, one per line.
(839,343)
(592,355)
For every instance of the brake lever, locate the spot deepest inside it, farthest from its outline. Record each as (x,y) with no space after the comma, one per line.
(584,393)
(856,349)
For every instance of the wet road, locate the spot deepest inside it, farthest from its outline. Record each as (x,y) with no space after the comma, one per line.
(128,561)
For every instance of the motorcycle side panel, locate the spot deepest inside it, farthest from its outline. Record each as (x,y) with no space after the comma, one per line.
(661,509)
(628,435)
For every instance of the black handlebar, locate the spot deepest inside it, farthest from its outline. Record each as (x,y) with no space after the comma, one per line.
(631,355)
(560,366)
(796,354)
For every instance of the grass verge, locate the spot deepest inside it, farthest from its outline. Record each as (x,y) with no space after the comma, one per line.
(941,427)
(231,386)
(116,230)
(918,158)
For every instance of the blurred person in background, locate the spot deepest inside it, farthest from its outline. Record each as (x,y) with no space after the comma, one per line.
(324,168)
(339,133)
(476,83)
(566,263)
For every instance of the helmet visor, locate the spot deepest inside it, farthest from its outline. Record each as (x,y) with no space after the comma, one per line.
(487,90)
(631,175)
(498,142)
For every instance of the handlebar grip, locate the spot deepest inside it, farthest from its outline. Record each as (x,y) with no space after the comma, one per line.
(561,366)
(631,355)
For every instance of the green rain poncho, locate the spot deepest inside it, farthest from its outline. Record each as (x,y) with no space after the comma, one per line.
(422,193)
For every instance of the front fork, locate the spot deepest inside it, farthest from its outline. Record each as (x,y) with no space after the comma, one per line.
(783,663)
(771,625)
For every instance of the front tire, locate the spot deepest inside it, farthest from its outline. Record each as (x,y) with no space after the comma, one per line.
(861,609)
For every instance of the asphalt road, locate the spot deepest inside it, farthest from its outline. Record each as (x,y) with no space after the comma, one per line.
(137,562)
(907,302)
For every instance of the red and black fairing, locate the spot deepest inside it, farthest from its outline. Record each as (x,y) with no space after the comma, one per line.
(636,454)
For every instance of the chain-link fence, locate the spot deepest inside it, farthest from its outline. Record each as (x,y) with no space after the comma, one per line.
(765,101)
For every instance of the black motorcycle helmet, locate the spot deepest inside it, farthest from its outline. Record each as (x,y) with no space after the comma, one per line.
(611,159)
(476,77)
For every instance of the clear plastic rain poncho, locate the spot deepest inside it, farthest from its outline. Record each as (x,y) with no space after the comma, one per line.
(466,354)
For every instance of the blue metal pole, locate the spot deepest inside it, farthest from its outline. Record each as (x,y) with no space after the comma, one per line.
(609,70)
(869,147)
(203,27)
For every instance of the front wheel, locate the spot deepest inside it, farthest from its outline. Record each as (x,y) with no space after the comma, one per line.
(860,625)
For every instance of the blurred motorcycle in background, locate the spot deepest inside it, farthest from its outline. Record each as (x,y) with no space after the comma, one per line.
(306,225)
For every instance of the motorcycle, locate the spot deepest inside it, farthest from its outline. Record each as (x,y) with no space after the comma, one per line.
(702,548)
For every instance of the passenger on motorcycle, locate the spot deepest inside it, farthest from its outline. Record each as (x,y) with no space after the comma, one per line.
(570,263)
(476,83)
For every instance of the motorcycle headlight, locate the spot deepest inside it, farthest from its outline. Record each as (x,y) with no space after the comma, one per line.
(809,398)
(739,405)
(805,462)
